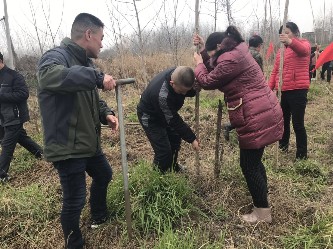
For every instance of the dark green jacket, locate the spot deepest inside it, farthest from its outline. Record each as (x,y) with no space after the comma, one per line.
(257,57)
(69,103)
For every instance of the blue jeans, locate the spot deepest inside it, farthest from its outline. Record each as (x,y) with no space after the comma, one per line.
(73,182)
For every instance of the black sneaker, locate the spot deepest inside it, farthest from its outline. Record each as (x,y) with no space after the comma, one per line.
(96,223)
(178,168)
(5,179)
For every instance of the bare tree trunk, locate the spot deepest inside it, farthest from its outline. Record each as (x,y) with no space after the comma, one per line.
(323,27)
(281,68)
(9,60)
(265,36)
(47,19)
(142,58)
(315,35)
(215,14)
(33,13)
(197,128)
(229,16)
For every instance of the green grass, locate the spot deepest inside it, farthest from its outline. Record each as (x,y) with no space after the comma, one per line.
(132,117)
(33,207)
(315,91)
(190,239)
(318,235)
(158,201)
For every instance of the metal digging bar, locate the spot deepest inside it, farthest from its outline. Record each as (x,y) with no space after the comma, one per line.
(128,211)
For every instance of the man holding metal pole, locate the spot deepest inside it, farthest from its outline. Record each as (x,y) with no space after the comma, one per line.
(72,113)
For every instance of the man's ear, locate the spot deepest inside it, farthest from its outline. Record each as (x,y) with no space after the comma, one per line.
(88,34)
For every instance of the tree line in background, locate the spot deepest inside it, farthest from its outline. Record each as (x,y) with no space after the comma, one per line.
(165,32)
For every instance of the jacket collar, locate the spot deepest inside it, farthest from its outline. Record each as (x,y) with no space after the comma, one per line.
(77,51)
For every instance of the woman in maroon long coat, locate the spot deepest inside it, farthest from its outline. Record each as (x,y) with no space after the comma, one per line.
(226,64)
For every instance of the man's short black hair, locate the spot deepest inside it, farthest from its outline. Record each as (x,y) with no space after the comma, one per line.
(1,57)
(82,23)
(183,76)
(255,41)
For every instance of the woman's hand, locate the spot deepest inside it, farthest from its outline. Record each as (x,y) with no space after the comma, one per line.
(285,39)
(198,41)
(197,58)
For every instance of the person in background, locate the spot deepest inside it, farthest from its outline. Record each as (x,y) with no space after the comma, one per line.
(255,45)
(313,59)
(226,64)
(327,67)
(158,115)
(72,113)
(296,83)
(14,113)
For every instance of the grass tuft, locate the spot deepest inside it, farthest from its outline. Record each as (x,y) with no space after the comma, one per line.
(158,201)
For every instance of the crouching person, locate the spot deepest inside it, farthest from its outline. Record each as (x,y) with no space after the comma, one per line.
(158,115)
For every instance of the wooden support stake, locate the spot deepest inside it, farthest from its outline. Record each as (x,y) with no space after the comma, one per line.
(218,156)
(281,69)
(197,158)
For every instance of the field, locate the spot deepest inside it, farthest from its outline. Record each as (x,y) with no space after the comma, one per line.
(183,210)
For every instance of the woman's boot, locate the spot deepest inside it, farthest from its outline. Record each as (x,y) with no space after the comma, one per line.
(258,215)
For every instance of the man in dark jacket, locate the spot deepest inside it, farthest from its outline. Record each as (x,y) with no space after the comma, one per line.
(72,113)
(13,114)
(158,114)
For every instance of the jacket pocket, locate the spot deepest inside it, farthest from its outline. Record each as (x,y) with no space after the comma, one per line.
(9,112)
(236,115)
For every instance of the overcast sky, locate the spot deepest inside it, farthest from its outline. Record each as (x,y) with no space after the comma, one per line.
(244,12)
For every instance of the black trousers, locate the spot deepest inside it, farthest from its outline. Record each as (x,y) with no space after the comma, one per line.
(14,134)
(326,67)
(312,74)
(255,175)
(72,174)
(165,142)
(293,104)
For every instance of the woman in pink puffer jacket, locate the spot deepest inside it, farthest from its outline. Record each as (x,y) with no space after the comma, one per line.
(296,82)
(253,108)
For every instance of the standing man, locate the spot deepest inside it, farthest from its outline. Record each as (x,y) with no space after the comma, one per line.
(71,115)
(14,113)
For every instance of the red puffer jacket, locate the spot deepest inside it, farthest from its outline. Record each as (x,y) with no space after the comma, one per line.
(295,67)
(253,108)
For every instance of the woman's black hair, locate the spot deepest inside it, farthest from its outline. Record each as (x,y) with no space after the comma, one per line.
(255,41)
(227,40)
(293,28)
(232,34)
(214,39)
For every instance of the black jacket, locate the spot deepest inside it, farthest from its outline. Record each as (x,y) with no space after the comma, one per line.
(14,93)
(161,103)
